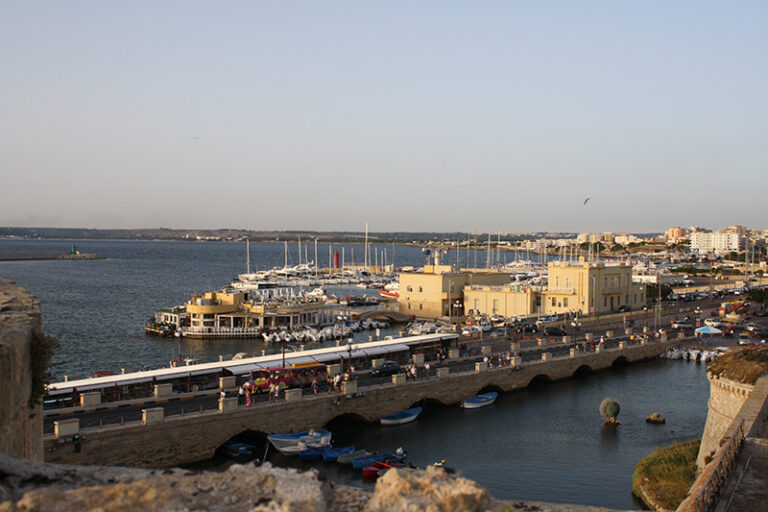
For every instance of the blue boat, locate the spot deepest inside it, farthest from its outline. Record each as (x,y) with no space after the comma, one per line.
(291,444)
(237,450)
(401,417)
(396,456)
(479,400)
(314,453)
(332,455)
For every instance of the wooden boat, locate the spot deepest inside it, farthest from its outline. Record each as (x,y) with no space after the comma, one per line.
(314,453)
(401,417)
(347,458)
(396,456)
(237,450)
(374,470)
(480,400)
(291,444)
(333,455)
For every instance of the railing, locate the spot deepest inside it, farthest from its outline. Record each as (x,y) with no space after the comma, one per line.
(711,480)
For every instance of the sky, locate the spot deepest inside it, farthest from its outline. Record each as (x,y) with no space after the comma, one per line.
(410,116)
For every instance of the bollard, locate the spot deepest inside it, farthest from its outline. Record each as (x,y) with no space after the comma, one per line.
(152,415)
(588,336)
(376,362)
(516,362)
(540,342)
(567,339)
(263,353)
(643,341)
(378,333)
(486,350)
(609,334)
(163,390)
(349,387)
(398,379)
(628,331)
(63,428)
(227,405)
(573,352)
(480,367)
(514,346)
(645,329)
(680,335)
(92,398)
(598,349)
(622,345)
(443,372)
(221,358)
(227,382)
(545,356)
(292,395)
(301,348)
(453,353)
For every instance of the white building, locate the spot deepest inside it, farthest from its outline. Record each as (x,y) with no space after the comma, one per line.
(718,242)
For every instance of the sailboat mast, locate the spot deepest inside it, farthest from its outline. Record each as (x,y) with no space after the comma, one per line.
(315,257)
(285,265)
(247,256)
(366,246)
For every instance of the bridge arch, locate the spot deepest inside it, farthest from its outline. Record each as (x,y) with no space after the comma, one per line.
(541,379)
(583,371)
(349,417)
(429,401)
(620,362)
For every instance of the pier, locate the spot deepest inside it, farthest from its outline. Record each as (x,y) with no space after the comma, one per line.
(161,440)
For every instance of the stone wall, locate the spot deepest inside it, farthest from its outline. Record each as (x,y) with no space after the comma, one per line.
(21,427)
(726,397)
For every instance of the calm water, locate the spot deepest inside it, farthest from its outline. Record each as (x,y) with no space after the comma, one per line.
(547,443)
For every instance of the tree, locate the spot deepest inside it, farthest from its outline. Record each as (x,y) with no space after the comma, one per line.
(759,296)
(652,291)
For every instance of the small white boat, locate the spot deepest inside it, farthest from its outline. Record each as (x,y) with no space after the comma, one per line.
(401,417)
(480,400)
(291,444)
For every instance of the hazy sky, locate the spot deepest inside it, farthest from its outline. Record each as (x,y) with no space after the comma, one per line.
(411,115)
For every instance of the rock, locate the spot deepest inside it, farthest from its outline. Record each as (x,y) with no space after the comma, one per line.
(432,490)
(655,418)
(612,421)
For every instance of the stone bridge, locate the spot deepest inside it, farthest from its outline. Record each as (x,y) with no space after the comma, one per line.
(182,439)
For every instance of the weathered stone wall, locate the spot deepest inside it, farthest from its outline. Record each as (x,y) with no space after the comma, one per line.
(189,438)
(21,427)
(726,397)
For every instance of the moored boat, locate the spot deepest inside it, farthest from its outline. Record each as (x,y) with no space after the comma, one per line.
(237,450)
(314,453)
(396,456)
(386,294)
(480,400)
(347,458)
(333,454)
(401,417)
(291,444)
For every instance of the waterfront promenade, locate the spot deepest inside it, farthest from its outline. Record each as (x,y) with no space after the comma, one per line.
(162,440)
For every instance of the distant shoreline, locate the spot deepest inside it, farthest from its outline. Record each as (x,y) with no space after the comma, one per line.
(47,255)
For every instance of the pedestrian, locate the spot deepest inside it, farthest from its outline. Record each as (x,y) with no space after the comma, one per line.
(314,384)
(223,394)
(337,382)
(271,390)
(241,395)
(426,368)
(248,397)
(277,391)
(414,372)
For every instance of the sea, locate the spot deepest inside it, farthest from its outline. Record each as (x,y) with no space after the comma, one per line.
(545,443)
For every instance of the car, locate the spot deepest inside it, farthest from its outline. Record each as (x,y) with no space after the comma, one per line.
(762,312)
(712,322)
(554,331)
(744,339)
(623,308)
(385,369)
(682,325)
(527,328)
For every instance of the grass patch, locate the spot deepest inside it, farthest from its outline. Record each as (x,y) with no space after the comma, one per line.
(666,475)
(745,365)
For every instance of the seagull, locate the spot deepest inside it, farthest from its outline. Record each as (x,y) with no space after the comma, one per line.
(586,200)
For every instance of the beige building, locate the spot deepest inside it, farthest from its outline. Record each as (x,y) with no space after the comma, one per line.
(438,290)
(586,287)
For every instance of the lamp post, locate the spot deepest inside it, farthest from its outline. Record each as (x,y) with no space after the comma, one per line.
(349,359)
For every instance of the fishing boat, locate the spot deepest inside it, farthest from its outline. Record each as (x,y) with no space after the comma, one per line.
(347,458)
(374,470)
(480,400)
(401,417)
(237,450)
(386,294)
(291,444)
(396,456)
(315,453)
(334,454)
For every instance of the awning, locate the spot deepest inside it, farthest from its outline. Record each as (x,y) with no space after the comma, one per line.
(106,385)
(244,368)
(708,330)
(373,351)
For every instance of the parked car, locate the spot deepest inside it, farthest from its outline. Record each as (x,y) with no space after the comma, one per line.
(623,308)
(554,331)
(744,339)
(385,369)
(682,325)
(527,328)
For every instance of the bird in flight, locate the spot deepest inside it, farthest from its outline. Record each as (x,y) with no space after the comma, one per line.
(586,201)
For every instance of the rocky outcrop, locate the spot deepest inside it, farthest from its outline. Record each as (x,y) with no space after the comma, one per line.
(21,427)
(41,487)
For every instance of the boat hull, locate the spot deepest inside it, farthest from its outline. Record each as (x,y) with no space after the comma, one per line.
(291,444)
(402,417)
(478,401)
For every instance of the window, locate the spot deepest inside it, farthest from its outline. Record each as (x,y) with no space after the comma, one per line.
(409,305)
(605,301)
(626,299)
(477,304)
(420,289)
(421,306)
(554,302)
(409,288)
(565,302)
(634,298)
(495,306)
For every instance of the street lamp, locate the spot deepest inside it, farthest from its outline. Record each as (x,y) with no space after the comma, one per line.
(349,360)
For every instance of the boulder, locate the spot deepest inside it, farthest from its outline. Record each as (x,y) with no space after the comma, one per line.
(655,418)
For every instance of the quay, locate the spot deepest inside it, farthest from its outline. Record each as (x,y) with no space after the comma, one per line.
(161,440)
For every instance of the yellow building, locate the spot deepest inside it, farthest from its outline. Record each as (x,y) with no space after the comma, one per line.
(438,290)
(584,287)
